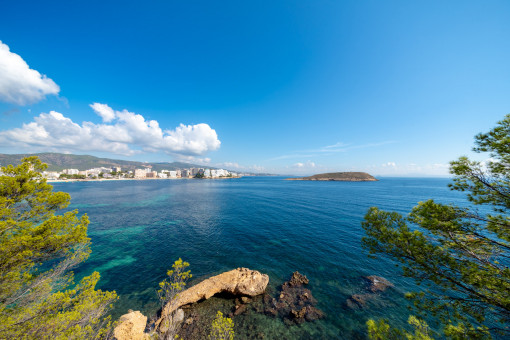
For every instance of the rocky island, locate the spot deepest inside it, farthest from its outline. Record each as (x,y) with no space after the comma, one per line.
(338,176)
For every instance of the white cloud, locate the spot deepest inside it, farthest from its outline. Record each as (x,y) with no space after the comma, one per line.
(19,84)
(389,164)
(104,111)
(129,133)
(307,164)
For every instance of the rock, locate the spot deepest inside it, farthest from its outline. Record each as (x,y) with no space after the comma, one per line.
(240,310)
(178,315)
(297,280)
(131,327)
(189,321)
(295,303)
(357,301)
(175,319)
(240,281)
(377,283)
(245,299)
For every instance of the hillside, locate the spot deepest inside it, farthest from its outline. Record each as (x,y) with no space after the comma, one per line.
(339,176)
(60,161)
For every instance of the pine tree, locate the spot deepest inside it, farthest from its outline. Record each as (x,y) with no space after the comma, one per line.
(39,245)
(460,255)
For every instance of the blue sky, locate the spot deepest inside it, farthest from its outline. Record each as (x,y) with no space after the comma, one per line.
(293,87)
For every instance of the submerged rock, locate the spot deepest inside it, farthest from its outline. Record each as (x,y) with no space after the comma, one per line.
(377,283)
(374,285)
(131,327)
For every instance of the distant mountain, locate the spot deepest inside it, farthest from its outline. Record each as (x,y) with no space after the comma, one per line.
(60,161)
(338,176)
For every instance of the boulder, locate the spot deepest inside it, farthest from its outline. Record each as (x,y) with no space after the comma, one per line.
(131,327)
(240,281)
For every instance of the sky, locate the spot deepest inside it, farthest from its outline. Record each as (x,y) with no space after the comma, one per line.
(393,88)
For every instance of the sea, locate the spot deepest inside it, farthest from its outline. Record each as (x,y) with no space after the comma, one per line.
(138,229)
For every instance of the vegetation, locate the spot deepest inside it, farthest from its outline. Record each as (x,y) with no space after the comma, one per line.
(460,254)
(168,292)
(380,330)
(64,176)
(38,246)
(222,328)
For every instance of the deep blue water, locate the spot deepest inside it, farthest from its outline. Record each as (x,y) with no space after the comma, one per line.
(138,229)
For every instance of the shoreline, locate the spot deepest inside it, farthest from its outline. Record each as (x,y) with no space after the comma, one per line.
(126,179)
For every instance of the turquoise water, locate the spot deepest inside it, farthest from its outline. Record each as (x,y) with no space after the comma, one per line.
(138,229)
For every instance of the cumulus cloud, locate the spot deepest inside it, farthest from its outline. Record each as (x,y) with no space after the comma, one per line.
(127,134)
(104,111)
(19,84)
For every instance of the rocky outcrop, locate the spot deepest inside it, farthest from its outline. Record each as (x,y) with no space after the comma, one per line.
(372,285)
(240,281)
(131,327)
(295,304)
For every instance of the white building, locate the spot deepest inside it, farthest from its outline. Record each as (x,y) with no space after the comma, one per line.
(70,171)
(50,174)
(140,173)
(219,173)
(207,173)
(172,174)
(163,175)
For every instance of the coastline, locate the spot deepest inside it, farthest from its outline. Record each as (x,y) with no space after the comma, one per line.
(126,179)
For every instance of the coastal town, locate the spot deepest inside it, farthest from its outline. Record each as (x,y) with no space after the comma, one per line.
(116,173)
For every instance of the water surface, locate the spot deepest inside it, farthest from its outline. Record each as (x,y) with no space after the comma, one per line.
(138,229)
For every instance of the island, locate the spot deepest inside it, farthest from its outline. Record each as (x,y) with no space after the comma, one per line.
(338,176)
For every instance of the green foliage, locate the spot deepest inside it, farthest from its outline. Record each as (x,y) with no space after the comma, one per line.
(38,247)
(380,330)
(168,293)
(176,281)
(222,328)
(460,255)
(64,176)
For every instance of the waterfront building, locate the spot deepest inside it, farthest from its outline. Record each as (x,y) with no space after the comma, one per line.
(50,174)
(207,173)
(151,174)
(140,173)
(70,171)
(172,174)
